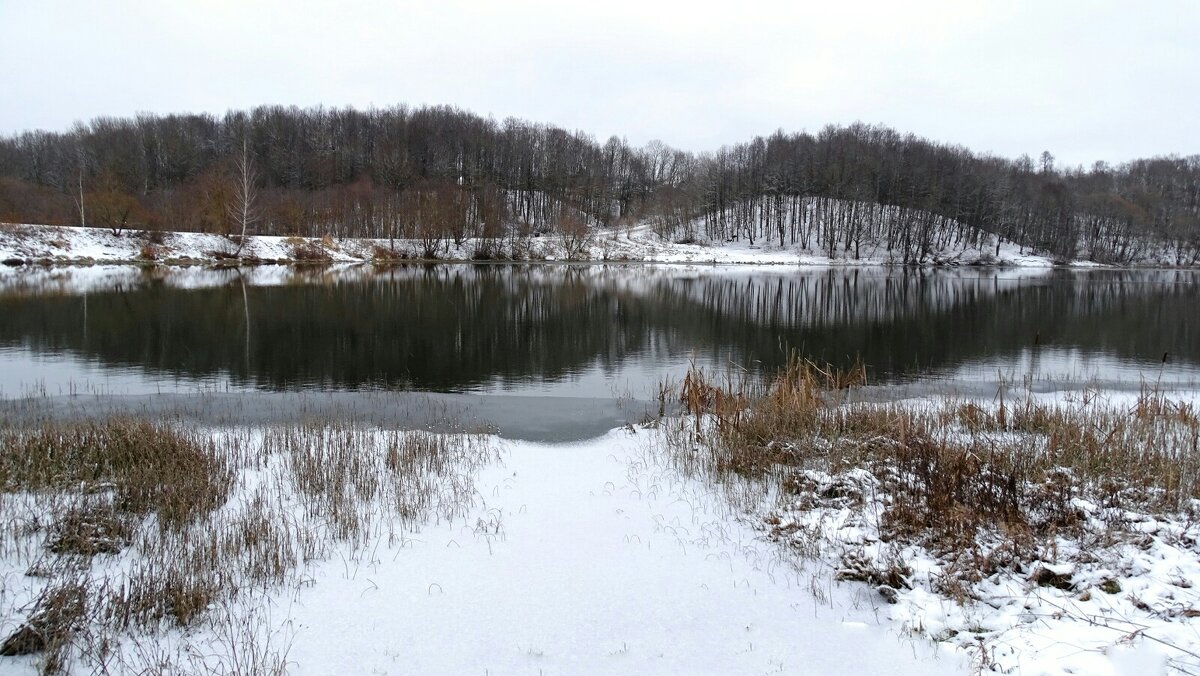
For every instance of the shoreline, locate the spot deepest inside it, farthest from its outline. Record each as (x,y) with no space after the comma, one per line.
(627,497)
(45,246)
(486,529)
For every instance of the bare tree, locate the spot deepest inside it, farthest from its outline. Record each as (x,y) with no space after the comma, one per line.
(1047,162)
(82,215)
(575,235)
(243,210)
(112,206)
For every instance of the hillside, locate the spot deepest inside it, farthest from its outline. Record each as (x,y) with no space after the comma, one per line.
(441,173)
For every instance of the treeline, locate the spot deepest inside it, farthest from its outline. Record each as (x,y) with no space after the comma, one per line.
(847,185)
(439,173)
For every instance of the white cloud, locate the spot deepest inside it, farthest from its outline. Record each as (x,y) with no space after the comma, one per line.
(1087,80)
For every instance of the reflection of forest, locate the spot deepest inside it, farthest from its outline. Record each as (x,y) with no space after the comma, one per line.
(452,327)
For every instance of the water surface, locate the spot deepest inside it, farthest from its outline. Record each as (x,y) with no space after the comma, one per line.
(469,334)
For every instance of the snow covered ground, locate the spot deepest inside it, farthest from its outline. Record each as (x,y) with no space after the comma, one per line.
(75,245)
(1108,603)
(599,557)
(1116,597)
(580,558)
(601,562)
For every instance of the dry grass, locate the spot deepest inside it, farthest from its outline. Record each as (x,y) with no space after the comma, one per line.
(308,252)
(149,467)
(383,254)
(490,250)
(135,528)
(96,528)
(953,470)
(54,617)
(346,479)
(983,495)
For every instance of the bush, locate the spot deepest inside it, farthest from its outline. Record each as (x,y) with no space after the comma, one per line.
(307,252)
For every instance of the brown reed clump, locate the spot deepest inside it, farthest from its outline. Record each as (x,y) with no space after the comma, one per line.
(951,468)
(148,466)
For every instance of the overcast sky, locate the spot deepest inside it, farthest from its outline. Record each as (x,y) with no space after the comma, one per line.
(1085,79)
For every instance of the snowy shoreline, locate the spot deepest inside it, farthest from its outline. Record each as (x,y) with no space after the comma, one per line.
(588,557)
(1108,587)
(43,245)
(611,558)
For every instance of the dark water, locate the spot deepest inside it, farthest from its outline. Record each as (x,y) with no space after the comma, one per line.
(582,331)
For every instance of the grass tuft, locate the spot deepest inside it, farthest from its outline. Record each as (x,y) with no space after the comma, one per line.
(56,614)
(90,530)
(149,467)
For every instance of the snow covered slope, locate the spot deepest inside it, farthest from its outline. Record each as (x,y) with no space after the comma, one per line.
(41,244)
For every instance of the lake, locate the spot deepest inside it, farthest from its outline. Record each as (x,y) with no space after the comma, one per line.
(560,352)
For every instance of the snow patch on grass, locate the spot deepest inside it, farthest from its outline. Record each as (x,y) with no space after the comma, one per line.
(1053,534)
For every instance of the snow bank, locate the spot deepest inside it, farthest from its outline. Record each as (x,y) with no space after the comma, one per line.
(54,245)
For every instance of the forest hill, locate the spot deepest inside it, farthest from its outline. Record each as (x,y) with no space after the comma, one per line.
(440,172)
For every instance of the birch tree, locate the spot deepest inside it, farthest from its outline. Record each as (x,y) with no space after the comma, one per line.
(243,210)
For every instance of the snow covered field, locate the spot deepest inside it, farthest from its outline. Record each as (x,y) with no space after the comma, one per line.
(574,558)
(600,557)
(1112,593)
